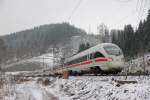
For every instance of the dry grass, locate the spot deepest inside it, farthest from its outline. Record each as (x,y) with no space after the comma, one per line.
(6,87)
(44,82)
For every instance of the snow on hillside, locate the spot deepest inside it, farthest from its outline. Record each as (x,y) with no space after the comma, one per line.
(139,63)
(45,58)
(35,63)
(83,88)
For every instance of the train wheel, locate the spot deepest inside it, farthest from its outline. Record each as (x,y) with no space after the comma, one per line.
(74,73)
(66,74)
(95,70)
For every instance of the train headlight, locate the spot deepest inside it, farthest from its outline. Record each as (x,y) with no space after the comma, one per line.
(110,59)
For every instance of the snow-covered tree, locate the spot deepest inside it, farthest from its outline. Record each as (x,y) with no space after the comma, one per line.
(103,33)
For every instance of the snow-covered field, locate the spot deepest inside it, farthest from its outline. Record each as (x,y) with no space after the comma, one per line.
(76,88)
(36,63)
(81,88)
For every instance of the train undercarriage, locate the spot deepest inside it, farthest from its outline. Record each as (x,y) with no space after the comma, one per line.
(93,71)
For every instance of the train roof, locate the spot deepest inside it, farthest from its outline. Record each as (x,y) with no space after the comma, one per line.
(88,51)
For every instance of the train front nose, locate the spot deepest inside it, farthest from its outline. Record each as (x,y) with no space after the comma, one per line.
(117,63)
(116,55)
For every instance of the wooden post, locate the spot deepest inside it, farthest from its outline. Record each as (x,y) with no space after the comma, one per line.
(66,74)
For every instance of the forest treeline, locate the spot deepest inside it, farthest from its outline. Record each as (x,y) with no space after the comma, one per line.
(36,41)
(133,42)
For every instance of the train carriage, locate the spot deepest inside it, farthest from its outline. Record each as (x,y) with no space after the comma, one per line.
(105,57)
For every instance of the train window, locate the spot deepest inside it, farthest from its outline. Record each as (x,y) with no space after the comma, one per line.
(88,56)
(91,56)
(78,60)
(82,59)
(98,54)
(68,63)
(113,50)
(74,61)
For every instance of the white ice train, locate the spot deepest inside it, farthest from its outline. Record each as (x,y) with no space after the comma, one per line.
(104,57)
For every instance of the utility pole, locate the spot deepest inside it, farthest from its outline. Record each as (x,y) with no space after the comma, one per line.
(0,66)
(144,59)
(144,63)
(43,61)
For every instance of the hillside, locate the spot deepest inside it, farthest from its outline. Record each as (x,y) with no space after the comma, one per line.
(36,41)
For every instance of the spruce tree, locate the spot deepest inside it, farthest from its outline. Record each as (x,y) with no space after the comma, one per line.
(2,52)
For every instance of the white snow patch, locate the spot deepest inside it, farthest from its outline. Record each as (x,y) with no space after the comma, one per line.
(100,88)
(84,88)
(46,58)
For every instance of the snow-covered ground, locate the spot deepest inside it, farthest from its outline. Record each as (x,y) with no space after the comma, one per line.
(77,88)
(101,88)
(139,64)
(35,63)
(82,88)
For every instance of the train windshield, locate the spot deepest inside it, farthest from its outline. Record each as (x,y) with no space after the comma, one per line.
(113,50)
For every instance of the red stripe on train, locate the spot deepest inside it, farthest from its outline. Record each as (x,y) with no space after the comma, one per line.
(89,62)
(83,63)
(101,60)
(86,62)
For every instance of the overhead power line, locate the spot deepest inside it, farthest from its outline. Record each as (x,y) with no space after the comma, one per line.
(144,6)
(124,18)
(139,12)
(74,10)
(124,1)
(137,4)
(141,5)
(142,10)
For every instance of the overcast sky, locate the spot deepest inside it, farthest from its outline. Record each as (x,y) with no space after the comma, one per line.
(17,15)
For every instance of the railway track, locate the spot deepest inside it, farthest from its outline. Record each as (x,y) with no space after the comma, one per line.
(52,75)
(114,77)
